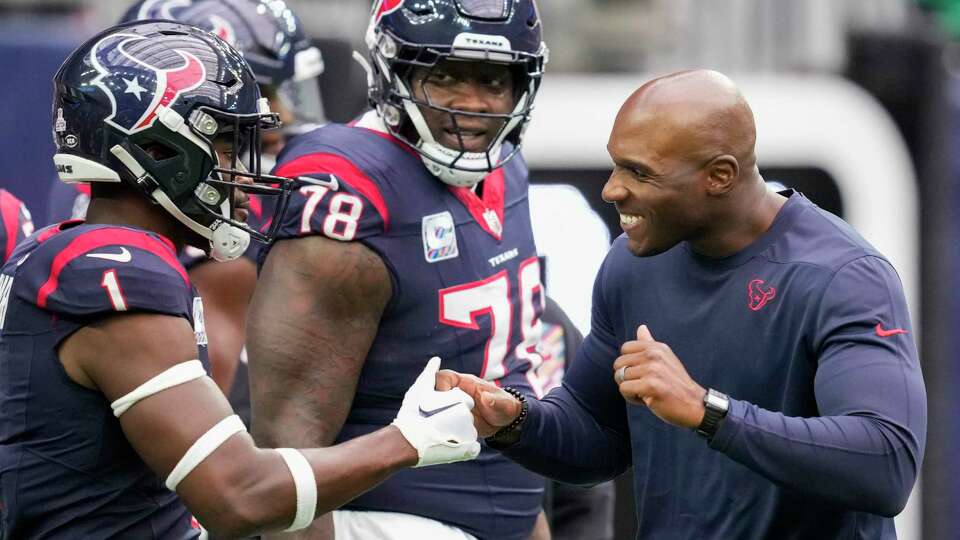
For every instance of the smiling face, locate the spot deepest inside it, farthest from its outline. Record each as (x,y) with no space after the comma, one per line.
(659,183)
(468,86)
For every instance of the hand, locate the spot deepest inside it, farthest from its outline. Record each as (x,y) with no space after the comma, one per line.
(655,377)
(494,409)
(439,425)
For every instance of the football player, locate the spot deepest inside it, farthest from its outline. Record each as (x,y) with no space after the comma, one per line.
(15,223)
(423,244)
(286,65)
(109,424)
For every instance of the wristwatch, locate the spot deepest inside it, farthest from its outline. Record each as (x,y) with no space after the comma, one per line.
(715,405)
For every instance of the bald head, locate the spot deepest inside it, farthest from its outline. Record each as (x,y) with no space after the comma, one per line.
(691,114)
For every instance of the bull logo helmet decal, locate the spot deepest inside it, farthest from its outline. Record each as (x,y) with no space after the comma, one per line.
(137,89)
(386,7)
(222,28)
(161,9)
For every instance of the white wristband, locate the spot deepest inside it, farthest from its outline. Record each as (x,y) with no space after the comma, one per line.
(203,447)
(306,485)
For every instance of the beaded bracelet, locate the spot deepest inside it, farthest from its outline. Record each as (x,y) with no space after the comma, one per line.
(508,435)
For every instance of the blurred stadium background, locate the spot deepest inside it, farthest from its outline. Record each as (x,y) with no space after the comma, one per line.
(857,103)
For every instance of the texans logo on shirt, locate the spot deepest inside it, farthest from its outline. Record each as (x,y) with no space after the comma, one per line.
(759,293)
(135,88)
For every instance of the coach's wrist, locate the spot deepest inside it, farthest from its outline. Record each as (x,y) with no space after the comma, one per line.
(509,435)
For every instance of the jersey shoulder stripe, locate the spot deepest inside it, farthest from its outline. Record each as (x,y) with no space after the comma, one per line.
(345,170)
(99,238)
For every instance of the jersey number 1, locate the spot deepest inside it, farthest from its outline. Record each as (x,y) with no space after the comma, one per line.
(112,286)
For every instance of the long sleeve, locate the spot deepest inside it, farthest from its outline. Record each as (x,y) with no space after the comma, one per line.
(578,433)
(865,448)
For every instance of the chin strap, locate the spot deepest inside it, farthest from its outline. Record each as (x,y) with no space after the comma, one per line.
(227,242)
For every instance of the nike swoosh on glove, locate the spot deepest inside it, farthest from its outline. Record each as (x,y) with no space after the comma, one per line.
(439,425)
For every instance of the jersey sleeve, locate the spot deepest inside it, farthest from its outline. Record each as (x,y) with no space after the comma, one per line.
(17,224)
(352,208)
(107,271)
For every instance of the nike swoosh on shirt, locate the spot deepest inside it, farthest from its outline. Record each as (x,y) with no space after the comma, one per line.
(428,414)
(882,332)
(123,257)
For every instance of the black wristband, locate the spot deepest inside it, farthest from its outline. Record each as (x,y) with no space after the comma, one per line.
(509,435)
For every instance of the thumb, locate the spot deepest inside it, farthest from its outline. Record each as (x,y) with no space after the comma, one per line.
(427,379)
(498,409)
(643,333)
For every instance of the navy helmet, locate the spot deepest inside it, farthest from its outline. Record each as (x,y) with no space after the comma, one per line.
(155,9)
(268,34)
(144,104)
(404,34)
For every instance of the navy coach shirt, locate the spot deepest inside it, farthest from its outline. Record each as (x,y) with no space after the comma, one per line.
(807,331)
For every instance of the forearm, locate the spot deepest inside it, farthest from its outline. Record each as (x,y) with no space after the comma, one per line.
(563,441)
(266,494)
(860,462)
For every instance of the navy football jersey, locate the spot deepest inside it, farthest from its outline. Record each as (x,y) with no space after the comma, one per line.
(466,288)
(15,223)
(70,201)
(66,469)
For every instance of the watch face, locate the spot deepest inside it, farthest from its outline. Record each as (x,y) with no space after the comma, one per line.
(716,400)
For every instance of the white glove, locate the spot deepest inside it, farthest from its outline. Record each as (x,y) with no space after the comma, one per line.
(438,424)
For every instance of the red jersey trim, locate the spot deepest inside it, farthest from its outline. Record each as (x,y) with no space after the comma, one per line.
(10,209)
(344,170)
(493,196)
(256,207)
(53,230)
(106,237)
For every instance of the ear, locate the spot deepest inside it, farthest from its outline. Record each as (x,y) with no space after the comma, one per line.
(722,174)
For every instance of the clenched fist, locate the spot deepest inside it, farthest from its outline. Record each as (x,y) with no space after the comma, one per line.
(493,408)
(648,373)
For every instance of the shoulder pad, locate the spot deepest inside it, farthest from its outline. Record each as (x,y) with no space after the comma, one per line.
(106,269)
(352,208)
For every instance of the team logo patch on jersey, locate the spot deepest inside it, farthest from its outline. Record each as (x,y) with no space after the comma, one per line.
(137,89)
(439,237)
(199,328)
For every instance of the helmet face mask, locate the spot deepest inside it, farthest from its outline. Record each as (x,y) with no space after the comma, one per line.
(401,40)
(145,104)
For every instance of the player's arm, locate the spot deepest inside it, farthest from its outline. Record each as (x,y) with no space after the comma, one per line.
(313,318)
(186,432)
(226,289)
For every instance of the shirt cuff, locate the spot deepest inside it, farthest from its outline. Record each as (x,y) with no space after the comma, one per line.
(529,427)
(730,426)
